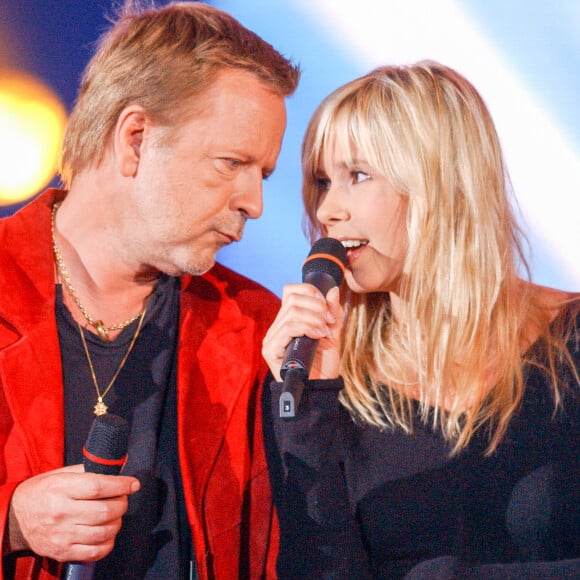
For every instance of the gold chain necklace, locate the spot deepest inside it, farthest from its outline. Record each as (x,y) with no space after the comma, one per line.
(102,330)
(100,408)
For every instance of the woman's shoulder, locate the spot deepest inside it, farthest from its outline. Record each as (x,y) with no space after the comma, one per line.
(555,309)
(564,328)
(554,299)
(565,321)
(553,330)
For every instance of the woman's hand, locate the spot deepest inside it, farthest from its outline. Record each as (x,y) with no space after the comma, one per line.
(306,312)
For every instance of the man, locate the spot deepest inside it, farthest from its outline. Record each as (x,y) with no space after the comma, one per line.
(111,303)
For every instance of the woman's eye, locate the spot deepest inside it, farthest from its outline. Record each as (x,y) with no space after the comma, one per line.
(322,185)
(360,176)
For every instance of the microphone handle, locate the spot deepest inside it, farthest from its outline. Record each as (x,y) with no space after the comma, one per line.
(300,354)
(107,434)
(78,571)
(321,280)
(292,390)
(301,350)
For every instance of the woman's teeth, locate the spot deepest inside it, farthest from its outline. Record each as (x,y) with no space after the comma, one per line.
(349,244)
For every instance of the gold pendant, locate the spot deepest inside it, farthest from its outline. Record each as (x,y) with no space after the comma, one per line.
(102,331)
(100,408)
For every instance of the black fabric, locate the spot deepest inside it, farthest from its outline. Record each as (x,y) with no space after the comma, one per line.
(154,541)
(357,502)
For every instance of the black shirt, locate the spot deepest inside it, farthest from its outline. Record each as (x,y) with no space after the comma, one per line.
(154,541)
(355,501)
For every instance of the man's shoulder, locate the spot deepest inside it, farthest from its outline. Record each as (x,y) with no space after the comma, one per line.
(221,272)
(25,239)
(29,226)
(231,285)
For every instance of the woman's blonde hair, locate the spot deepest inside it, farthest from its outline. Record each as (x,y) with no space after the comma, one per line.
(158,59)
(427,129)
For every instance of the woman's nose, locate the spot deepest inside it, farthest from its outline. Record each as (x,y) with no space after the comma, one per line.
(333,207)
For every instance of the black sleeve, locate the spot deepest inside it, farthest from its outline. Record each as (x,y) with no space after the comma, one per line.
(452,568)
(566,501)
(319,533)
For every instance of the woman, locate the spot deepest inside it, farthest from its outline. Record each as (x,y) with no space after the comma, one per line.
(437,436)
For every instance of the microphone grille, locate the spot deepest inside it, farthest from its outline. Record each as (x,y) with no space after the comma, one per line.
(105,450)
(327,256)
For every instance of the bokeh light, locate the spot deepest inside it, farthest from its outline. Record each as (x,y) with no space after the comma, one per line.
(32,121)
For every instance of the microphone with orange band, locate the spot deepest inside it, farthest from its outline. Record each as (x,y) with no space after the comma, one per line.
(324,269)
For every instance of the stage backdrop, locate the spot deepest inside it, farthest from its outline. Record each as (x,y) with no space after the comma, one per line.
(523,55)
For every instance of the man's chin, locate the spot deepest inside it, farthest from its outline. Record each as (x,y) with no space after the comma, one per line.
(192,263)
(199,268)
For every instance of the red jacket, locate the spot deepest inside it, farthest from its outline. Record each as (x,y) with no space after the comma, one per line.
(220,373)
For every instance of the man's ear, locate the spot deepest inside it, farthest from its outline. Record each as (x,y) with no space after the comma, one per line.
(128,139)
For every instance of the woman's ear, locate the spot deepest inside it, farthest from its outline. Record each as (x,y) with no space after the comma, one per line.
(128,139)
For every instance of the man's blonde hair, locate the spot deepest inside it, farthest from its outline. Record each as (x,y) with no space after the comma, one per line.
(427,129)
(158,59)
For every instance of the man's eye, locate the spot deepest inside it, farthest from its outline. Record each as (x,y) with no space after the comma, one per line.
(227,165)
(360,176)
(233,163)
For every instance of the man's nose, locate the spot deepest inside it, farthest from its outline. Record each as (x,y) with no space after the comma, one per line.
(248,197)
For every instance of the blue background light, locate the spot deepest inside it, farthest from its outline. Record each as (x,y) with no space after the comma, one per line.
(523,56)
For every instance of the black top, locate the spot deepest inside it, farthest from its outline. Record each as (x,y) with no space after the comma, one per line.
(154,541)
(355,501)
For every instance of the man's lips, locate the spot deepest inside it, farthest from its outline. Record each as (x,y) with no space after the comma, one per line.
(232,236)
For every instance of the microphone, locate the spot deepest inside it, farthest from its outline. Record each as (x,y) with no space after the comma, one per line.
(105,452)
(324,269)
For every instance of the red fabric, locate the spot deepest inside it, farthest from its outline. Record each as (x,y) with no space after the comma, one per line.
(220,374)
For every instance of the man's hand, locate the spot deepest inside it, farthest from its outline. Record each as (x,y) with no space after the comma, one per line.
(69,515)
